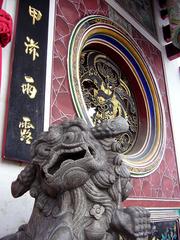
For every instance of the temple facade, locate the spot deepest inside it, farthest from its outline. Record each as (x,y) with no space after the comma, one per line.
(96,60)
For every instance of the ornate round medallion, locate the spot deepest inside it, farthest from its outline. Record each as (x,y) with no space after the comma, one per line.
(109,76)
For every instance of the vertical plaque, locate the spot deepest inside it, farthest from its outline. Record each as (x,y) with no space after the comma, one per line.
(25,108)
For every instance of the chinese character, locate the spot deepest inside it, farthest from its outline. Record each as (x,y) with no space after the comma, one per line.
(25,130)
(35,14)
(31,48)
(28,87)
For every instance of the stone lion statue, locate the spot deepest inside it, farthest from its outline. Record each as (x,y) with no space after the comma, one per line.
(79,181)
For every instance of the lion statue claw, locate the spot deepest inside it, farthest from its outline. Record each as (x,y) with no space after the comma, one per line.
(78,180)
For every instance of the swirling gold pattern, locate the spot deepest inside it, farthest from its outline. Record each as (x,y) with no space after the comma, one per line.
(107,94)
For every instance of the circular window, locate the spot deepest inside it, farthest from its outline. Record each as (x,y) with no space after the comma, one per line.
(109,76)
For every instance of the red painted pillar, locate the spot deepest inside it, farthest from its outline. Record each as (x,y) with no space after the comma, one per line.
(5,32)
(1,2)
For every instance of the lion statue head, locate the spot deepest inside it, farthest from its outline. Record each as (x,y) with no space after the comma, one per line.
(78,179)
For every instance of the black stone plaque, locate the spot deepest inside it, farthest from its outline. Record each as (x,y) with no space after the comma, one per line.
(25,108)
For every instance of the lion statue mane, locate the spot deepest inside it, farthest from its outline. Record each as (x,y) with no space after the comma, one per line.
(79,181)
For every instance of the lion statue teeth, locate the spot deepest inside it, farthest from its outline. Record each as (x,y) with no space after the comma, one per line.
(79,181)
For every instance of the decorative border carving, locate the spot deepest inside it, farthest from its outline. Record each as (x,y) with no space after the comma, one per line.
(100,32)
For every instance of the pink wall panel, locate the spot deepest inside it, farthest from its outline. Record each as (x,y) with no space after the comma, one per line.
(164,182)
(68,13)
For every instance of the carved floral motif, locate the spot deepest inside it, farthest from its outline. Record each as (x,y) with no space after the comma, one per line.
(97,211)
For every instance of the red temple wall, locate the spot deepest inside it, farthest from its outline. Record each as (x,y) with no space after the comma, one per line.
(164,182)
(68,13)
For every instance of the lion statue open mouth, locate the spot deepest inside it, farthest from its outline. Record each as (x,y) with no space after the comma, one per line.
(79,180)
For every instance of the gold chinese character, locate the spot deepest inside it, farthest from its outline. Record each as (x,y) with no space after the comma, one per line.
(31,48)
(28,87)
(25,130)
(35,14)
